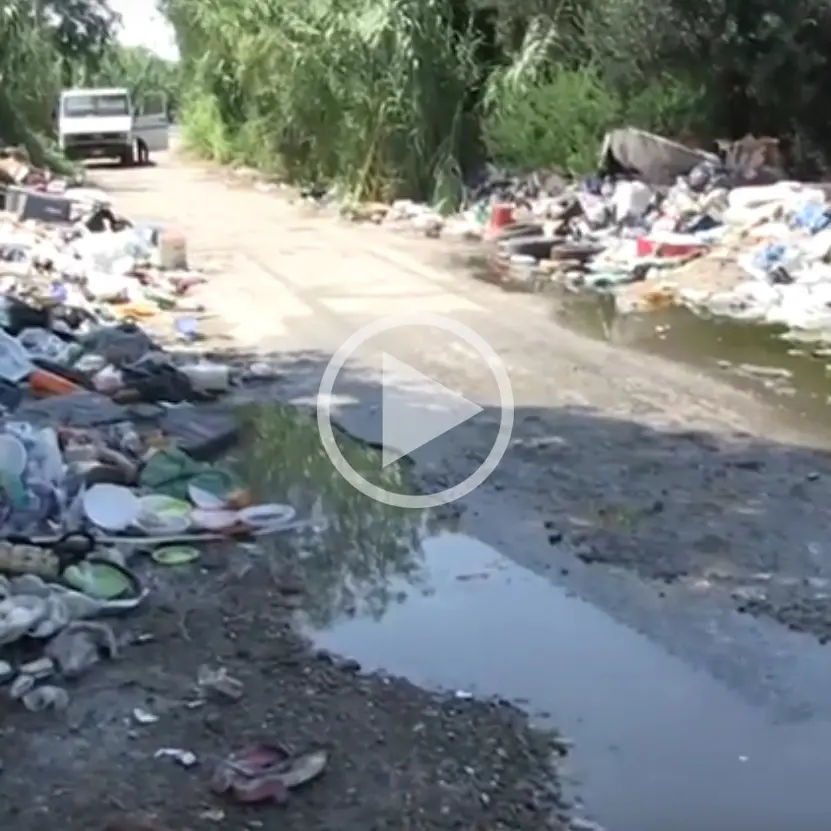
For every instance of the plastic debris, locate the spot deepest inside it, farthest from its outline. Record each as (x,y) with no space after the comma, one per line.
(266,773)
(144,716)
(219,682)
(46,697)
(182,757)
(80,646)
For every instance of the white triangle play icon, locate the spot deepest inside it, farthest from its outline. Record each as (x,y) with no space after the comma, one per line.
(416,409)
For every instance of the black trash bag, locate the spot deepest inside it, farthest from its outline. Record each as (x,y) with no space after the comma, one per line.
(20,315)
(155,379)
(125,343)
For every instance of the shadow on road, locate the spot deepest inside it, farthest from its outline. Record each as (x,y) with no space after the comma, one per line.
(749,516)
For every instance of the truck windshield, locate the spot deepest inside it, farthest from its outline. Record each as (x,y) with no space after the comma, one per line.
(81,106)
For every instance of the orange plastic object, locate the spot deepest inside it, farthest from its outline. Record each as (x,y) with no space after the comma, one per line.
(127,310)
(45,383)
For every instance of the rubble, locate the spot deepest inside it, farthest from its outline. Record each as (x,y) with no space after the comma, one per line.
(722,234)
(106,438)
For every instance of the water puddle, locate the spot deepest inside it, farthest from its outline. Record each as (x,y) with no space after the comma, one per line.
(791,376)
(658,744)
(359,545)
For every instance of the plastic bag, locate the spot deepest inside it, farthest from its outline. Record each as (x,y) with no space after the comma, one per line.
(14,361)
(41,343)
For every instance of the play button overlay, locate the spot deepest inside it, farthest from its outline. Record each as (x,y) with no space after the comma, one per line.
(417,409)
(425,411)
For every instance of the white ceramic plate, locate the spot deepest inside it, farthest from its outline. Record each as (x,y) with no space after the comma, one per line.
(111,507)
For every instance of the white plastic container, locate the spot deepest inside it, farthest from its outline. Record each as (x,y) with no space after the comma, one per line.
(207,376)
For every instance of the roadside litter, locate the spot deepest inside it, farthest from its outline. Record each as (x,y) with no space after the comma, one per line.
(266,773)
(104,454)
(660,225)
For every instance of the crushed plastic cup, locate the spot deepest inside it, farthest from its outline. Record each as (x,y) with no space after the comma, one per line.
(58,292)
(108,380)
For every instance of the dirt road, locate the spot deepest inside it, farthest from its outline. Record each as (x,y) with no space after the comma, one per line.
(673,502)
(635,461)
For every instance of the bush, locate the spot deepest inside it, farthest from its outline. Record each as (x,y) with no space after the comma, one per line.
(555,122)
(203,130)
(383,96)
(558,121)
(370,95)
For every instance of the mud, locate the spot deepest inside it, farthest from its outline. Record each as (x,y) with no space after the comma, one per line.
(727,506)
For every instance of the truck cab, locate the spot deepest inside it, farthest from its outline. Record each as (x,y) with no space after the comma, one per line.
(104,123)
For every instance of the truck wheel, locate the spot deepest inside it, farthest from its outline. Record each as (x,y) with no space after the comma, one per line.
(126,158)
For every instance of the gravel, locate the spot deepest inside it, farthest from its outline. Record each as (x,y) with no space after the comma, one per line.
(400,756)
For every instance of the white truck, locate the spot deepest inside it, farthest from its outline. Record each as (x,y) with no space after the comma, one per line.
(104,124)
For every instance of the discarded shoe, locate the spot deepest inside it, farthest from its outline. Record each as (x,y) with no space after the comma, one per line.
(266,773)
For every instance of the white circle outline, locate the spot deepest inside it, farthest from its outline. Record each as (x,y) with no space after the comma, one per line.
(420,501)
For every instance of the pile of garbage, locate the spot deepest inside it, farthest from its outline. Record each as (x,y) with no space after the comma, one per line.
(722,233)
(106,440)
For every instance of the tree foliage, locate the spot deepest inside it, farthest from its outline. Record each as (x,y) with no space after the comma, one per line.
(136,68)
(392,96)
(49,44)
(373,94)
(80,30)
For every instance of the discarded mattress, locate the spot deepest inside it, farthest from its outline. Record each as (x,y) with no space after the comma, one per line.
(655,160)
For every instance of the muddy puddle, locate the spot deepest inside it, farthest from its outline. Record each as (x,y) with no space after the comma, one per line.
(346,563)
(793,376)
(789,375)
(658,744)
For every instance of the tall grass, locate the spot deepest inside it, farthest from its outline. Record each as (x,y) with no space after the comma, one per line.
(385,98)
(29,83)
(543,110)
(371,94)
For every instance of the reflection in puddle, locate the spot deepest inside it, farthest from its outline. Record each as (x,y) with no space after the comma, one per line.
(658,745)
(347,567)
(788,374)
